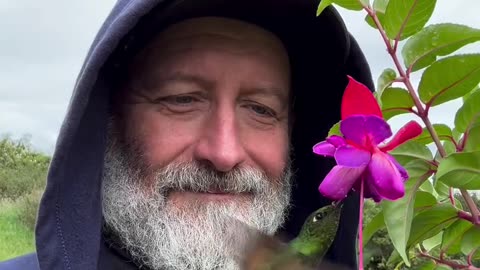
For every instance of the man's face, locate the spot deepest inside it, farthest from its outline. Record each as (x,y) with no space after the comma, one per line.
(214,94)
(201,138)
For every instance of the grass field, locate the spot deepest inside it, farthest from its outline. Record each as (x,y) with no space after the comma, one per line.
(15,238)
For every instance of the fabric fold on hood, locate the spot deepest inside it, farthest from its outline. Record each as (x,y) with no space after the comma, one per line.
(322,53)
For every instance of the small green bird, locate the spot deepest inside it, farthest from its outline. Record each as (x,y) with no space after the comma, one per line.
(305,251)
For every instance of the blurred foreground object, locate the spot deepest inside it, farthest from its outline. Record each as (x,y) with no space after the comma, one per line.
(304,252)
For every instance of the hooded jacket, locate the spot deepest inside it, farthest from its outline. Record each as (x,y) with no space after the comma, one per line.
(322,53)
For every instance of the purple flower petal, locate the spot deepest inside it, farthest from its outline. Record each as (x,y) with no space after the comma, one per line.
(336,140)
(350,156)
(385,178)
(339,181)
(362,129)
(324,148)
(400,169)
(369,190)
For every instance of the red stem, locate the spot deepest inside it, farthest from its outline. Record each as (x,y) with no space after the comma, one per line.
(466,216)
(473,207)
(360,228)
(470,256)
(452,198)
(454,265)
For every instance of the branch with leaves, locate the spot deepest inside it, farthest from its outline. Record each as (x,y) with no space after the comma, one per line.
(426,221)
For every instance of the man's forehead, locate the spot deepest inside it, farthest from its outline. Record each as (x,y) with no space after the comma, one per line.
(213,33)
(221,27)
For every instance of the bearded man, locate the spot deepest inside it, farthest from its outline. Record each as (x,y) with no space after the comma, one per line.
(186,126)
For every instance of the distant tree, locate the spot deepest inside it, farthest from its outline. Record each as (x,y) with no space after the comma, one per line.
(21,168)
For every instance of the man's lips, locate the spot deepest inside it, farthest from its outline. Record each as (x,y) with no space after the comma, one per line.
(209,195)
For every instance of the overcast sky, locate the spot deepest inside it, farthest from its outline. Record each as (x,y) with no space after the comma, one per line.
(43,45)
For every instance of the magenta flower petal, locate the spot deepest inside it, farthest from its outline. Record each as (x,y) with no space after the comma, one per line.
(339,181)
(401,170)
(361,129)
(336,140)
(370,191)
(324,148)
(350,156)
(385,177)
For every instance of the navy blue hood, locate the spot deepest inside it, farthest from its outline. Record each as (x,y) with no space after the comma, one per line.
(322,53)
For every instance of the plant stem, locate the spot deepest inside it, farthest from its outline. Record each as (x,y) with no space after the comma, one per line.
(360,228)
(470,256)
(449,263)
(472,206)
(422,112)
(452,198)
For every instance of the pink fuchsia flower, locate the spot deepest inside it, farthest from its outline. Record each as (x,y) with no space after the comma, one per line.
(360,154)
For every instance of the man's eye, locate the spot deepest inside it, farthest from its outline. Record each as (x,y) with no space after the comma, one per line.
(180,100)
(184,103)
(262,111)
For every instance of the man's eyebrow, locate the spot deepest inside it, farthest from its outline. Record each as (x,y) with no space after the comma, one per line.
(277,92)
(178,77)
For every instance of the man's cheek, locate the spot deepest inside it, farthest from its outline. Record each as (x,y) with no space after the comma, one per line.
(270,151)
(163,140)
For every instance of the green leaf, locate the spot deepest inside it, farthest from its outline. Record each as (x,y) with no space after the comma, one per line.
(380,5)
(449,78)
(464,98)
(458,204)
(335,130)
(472,142)
(365,3)
(347,4)
(400,214)
(370,21)
(371,228)
(469,113)
(427,186)
(442,190)
(452,237)
(395,101)
(436,40)
(430,222)
(323,5)
(456,134)
(404,18)
(411,150)
(443,267)
(470,242)
(460,170)
(385,80)
(428,265)
(419,168)
(443,131)
(394,259)
(424,200)
(432,242)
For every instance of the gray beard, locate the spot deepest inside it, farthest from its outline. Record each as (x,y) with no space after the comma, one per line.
(207,236)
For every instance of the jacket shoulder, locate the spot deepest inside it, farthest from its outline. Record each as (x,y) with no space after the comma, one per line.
(25,262)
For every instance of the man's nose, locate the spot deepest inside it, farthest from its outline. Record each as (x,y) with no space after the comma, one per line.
(220,143)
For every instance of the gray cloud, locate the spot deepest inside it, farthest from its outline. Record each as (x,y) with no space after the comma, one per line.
(43,44)
(42,47)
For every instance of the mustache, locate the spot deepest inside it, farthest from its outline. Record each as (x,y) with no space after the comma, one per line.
(197,177)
